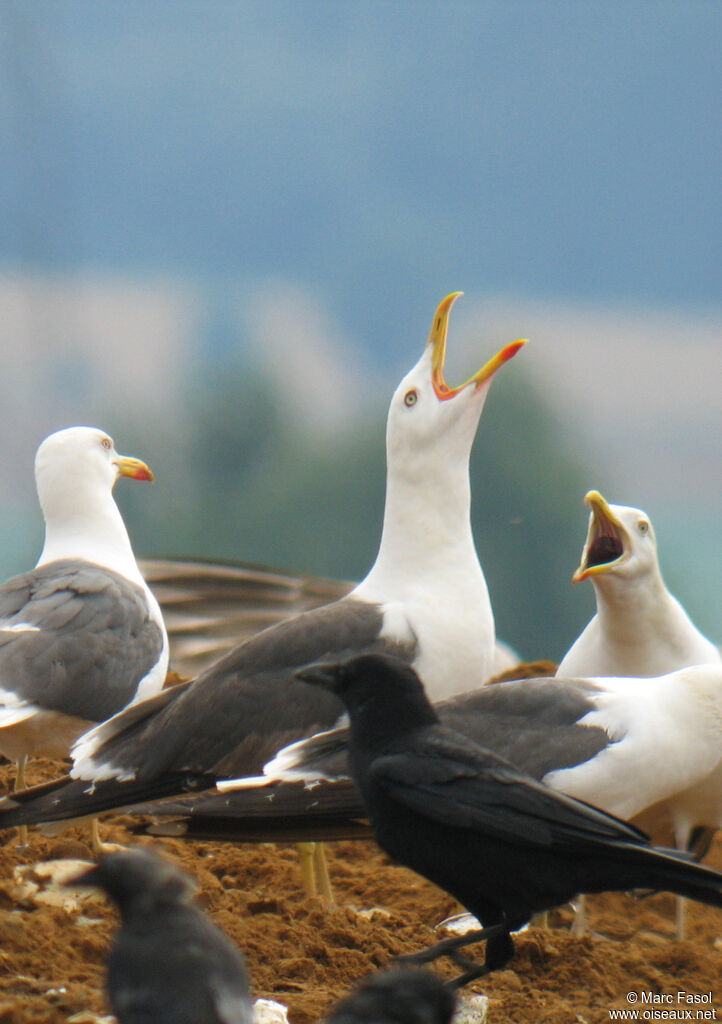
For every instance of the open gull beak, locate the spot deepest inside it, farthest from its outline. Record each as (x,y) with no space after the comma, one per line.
(607,544)
(134,468)
(437,341)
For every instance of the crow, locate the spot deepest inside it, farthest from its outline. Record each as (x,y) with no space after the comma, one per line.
(169,964)
(505,846)
(402,996)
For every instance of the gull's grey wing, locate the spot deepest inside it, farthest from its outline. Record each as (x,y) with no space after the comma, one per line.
(209,607)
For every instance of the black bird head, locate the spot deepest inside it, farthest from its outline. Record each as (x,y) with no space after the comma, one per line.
(375,688)
(139,880)
(403,996)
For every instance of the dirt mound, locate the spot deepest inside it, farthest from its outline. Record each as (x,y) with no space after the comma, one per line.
(300,953)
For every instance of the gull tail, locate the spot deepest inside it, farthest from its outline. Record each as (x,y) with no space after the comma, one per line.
(278,812)
(68,798)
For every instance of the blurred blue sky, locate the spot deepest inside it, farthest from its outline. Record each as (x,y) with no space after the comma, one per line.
(559,161)
(383,150)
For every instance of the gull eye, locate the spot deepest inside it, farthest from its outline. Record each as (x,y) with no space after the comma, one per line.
(107,443)
(643,526)
(411,398)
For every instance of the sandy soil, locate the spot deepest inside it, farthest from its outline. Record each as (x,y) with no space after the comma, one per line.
(307,956)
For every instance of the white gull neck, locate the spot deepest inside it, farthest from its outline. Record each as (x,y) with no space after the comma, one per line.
(83,521)
(426,533)
(427,563)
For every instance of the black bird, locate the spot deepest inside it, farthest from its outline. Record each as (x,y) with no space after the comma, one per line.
(402,996)
(504,845)
(169,963)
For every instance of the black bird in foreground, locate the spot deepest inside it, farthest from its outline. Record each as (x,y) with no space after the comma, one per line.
(504,845)
(169,963)
(402,996)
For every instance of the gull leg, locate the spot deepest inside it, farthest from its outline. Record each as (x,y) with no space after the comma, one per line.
(20,784)
(96,843)
(680,916)
(696,841)
(684,841)
(305,857)
(314,872)
(580,924)
(322,875)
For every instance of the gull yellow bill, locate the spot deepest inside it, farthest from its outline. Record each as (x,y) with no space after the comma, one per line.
(607,543)
(437,341)
(136,469)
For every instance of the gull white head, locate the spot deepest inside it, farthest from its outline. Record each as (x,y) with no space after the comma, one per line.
(431,426)
(620,542)
(640,629)
(75,472)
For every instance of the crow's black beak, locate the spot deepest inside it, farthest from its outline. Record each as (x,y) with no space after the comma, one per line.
(320,674)
(90,877)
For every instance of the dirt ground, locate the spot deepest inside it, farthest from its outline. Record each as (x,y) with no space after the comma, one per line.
(306,956)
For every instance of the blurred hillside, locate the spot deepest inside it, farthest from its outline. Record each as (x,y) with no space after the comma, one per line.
(266,431)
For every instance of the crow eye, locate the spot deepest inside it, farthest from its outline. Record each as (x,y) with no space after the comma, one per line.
(411,397)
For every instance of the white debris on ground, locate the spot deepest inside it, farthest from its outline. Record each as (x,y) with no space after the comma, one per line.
(459,924)
(471,1010)
(266,1011)
(48,883)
